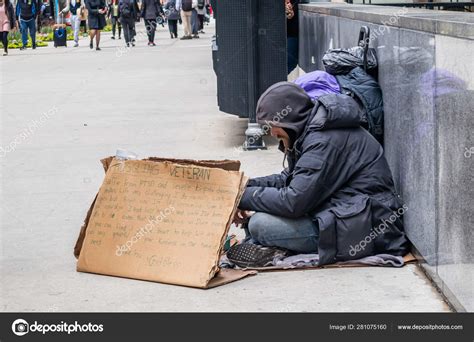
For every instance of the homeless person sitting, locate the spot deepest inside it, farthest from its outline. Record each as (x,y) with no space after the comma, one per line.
(336,197)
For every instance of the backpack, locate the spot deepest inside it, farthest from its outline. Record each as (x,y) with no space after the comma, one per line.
(201,4)
(126,11)
(187,5)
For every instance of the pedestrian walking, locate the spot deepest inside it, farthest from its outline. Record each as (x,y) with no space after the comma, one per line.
(96,10)
(127,18)
(114,15)
(26,13)
(172,14)
(186,9)
(151,9)
(7,23)
(83,17)
(74,8)
(194,23)
(201,9)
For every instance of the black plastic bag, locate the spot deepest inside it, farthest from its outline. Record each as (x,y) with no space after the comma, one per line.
(342,61)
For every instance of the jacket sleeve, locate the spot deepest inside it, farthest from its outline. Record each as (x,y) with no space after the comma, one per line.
(274,181)
(315,178)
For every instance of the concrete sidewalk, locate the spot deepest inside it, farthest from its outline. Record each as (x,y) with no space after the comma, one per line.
(157,101)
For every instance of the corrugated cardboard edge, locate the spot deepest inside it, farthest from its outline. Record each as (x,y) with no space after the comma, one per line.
(226,164)
(215,269)
(408,258)
(226,275)
(82,232)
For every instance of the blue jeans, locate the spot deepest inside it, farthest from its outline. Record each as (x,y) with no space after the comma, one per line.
(299,235)
(26,25)
(292,45)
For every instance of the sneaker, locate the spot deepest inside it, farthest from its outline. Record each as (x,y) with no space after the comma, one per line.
(153,44)
(34,46)
(23,48)
(249,255)
(133,40)
(133,44)
(128,44)
(120,37)
(113,37)
(76,44)
(5,53)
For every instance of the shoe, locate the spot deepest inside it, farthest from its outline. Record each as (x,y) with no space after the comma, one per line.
(23,48)
(5,53)
(247,255)
(76,44)
(133,44)
(34,46)
(202,32)
(120,37)
(128,44)
(172,36)
(133,40)
(149,44)
(195,36)
(113,37)
(185,37)
(153,44)
(91,45)
(98,49)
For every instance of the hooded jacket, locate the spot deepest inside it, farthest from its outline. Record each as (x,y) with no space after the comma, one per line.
(337,175)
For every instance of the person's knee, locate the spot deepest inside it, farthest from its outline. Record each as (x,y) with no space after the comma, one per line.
(258,225)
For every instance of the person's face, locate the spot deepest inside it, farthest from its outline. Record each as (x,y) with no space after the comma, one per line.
(280,134)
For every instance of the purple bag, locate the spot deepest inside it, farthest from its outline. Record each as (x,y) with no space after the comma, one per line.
(317,83)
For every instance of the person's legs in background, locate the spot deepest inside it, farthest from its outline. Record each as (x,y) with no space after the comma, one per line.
(76,24)
(91,36)
(186,17)
(173,27)
(150,25)
(292,44)
(97,40)
(114,26)
(201,23)
(119,24)
(32,29)
(24,33)
(84,25)
(126,32)
(4,37)
(194,23)
(299,235)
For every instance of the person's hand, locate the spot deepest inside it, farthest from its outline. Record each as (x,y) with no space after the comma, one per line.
(241,216)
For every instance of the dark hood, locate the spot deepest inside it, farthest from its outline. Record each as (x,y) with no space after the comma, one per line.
(285,105)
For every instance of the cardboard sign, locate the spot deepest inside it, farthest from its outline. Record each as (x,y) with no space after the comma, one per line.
(163,221)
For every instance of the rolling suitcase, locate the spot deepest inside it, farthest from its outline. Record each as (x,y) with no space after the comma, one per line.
(59,32)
